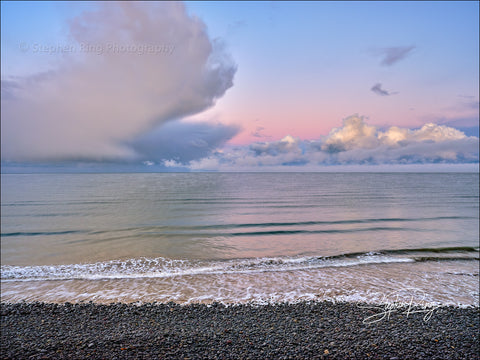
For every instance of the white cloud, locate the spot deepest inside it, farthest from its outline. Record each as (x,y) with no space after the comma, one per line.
(393,136)
(354,133)
(436,133)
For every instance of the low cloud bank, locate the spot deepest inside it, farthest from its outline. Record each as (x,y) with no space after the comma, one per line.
(355,143)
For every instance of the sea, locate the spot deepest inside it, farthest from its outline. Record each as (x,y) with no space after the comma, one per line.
(236,238)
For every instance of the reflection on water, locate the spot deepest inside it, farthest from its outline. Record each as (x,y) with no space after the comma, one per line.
(55,219)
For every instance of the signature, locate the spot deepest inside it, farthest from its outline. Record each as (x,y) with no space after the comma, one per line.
(395,302)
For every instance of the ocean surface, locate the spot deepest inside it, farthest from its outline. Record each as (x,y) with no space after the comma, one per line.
(240,237)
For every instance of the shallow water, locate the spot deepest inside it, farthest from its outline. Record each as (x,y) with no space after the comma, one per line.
(201,237)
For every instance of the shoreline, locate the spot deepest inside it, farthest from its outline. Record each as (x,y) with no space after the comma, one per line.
(304,330)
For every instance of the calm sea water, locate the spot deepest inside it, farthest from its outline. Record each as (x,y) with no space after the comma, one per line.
(240,237)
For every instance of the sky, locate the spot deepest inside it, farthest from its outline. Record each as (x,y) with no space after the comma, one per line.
(240,86)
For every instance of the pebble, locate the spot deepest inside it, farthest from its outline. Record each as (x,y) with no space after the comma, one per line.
(283,331)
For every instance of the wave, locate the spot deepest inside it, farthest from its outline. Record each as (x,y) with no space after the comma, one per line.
(335,222)
(267,228)
(410,252)
(162,267)
(42,233)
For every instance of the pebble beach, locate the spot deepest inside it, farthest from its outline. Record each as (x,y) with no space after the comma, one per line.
(306,330)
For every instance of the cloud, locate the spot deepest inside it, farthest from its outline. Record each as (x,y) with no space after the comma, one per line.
(354,134)
(355,143)
(462,115)
(468,125)
(377,89)
(181,142)
(258,132)
(392,55)
(137,65)
(9,89)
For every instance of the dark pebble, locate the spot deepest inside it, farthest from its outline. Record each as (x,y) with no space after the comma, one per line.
(307,330)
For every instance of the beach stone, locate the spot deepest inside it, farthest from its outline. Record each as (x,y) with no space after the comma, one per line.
(171,331)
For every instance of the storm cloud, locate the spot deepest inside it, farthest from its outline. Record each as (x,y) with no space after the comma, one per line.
(181,142)
(135,67)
